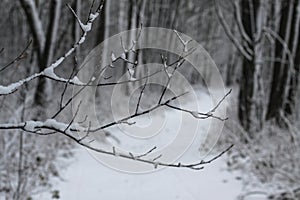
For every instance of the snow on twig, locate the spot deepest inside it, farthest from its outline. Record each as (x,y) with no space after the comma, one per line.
(48,72)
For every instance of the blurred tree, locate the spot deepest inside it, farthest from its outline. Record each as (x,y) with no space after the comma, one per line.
(285,78)
(45,40)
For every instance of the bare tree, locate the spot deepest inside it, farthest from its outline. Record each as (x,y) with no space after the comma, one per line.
(45,39)
(256,27)
(250,19)
(285,76)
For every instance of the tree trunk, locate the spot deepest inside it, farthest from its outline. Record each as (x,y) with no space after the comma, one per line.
(45,42)
(293,92)
(41,94)
(284,84)
(250,110)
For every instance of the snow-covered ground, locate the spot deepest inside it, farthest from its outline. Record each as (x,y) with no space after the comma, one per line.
(87,178)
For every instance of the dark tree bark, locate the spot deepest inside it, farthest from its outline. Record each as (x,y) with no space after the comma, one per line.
(101,28)
(250,109)
(45,42)
(291,103)
(76,27)
(285,79)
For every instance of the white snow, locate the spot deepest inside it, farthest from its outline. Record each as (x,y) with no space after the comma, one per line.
(130,70)
(52,123)
(82,39)
(113,57)
(86,178)
(86,27)
(49,71)
(123,56)
(57,63)
(77,81)
(4,90)
(93,16)
(132,78)
(32,125)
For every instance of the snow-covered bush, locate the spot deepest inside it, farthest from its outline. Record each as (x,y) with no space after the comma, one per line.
(270,161)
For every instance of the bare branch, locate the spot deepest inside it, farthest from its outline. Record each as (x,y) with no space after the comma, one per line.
(21,56)
(230,35)
(63,128)
(238,19)
(141,94)
(184,43)
(283,43)
(169,75)
(147,153)
(219,103)
(200,115)
(136,114)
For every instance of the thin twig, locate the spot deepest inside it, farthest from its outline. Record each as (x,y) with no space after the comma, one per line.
(141,94)
(21,56)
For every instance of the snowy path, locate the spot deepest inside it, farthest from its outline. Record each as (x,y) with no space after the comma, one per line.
(87,179)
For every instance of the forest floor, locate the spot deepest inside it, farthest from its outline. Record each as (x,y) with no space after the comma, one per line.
(87,178)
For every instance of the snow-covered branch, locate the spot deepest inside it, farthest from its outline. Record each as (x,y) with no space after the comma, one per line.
(70,129)
(49,71)
(21,56)
(51,124)
(201,115)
